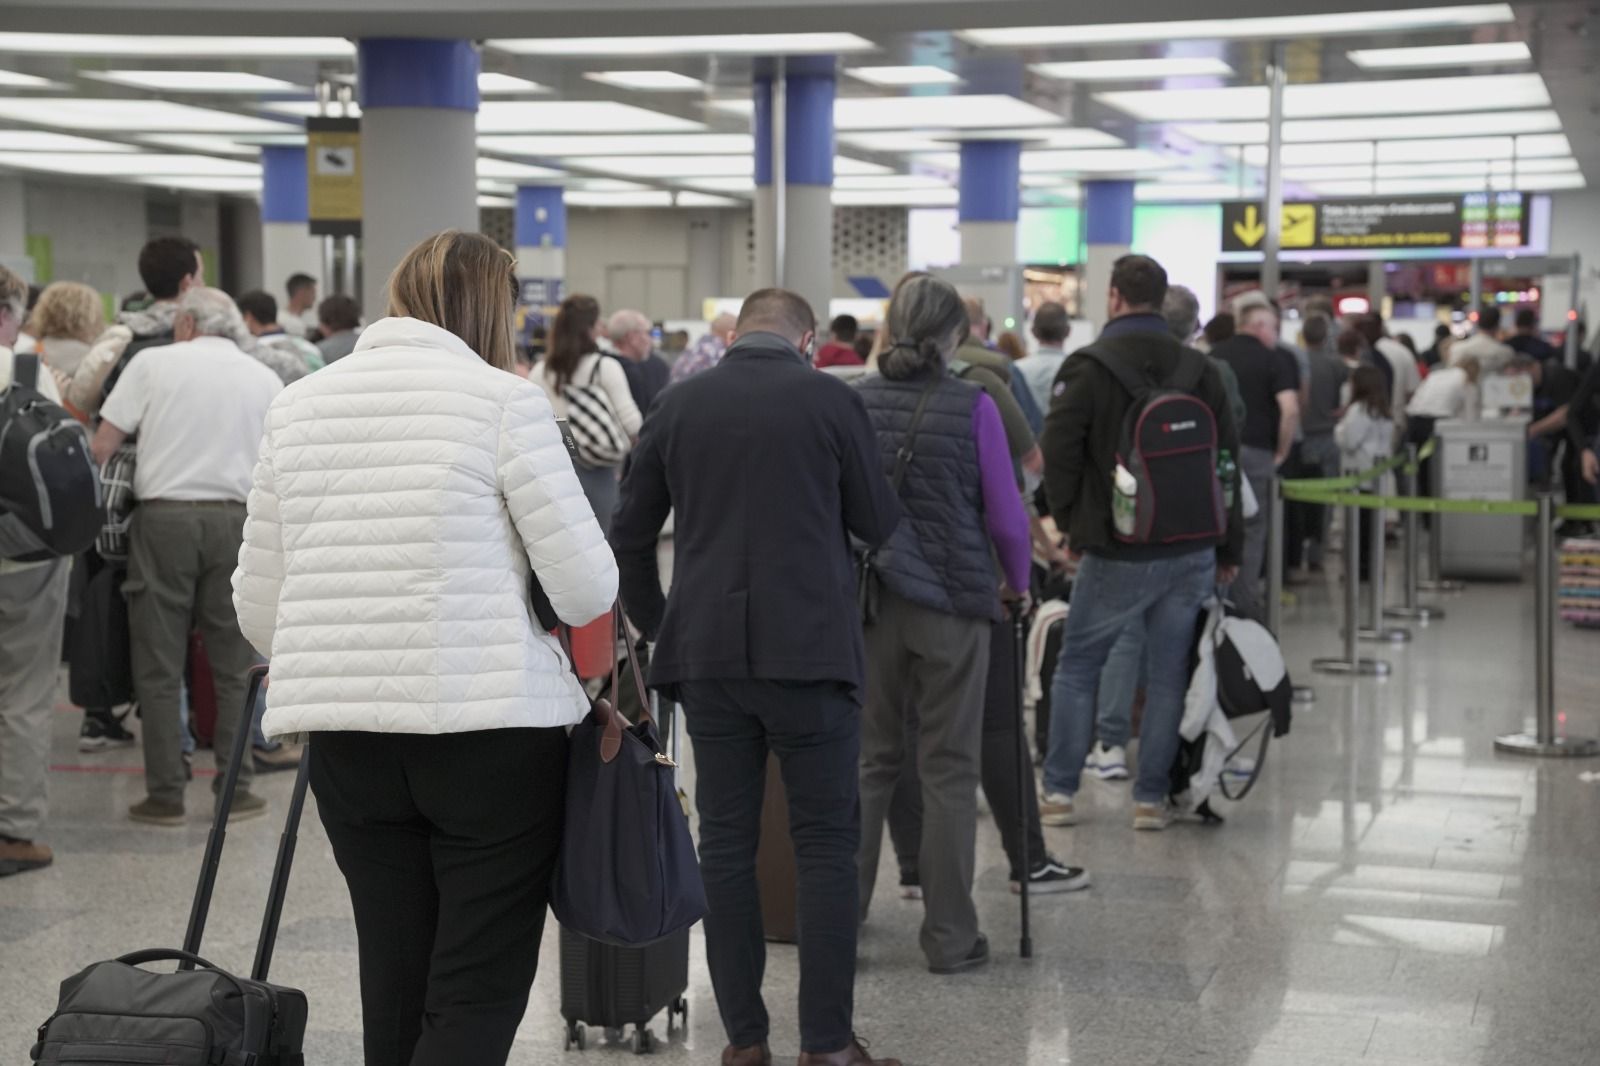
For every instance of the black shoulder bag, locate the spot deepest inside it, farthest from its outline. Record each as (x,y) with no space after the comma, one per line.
(867,579)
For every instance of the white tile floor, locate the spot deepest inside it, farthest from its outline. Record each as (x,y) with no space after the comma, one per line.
(1393,892)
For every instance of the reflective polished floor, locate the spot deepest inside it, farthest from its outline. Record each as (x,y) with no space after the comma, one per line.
(1393,892)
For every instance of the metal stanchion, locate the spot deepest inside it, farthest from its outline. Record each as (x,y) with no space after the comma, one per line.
(1275,538)
(1411,578)
(1544,740)
(1352,663)
(1436,581)
(1375,630)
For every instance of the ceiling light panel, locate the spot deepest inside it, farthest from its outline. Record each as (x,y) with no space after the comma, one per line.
(42,141)
(498,188)
(1136,69)
(1407,96)
(1365,22)
(744,185)
(1163,192)
(889,181)
(1459,169)
(664,81)
(604,185)
(11,79)
(901,113)
(220,184)
(1095,161)
(496,201)
(212,143)
(649,166)
(700,199)
(131,164)
(1424,186)
(505,170)
(1416,151)
(197,81)
(129,116)
(747,44)
(1441,55)
(945,197)
(576,116)
(900,76)
(1379,129)
(173,45)
(493,83)
(622,144)
(654,198)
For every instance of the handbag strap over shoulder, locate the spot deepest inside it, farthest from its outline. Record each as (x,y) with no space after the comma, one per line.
(611,720)
(908,450)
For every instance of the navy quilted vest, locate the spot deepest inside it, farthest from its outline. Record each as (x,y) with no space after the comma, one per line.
(940,556)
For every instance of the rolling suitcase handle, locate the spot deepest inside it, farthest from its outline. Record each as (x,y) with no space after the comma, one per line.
(218,835)
(1019,650)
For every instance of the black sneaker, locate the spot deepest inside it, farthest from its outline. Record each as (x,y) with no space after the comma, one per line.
(1053,876)
(102,731)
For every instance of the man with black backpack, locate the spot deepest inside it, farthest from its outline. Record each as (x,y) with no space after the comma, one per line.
(1137,474)
(44,466)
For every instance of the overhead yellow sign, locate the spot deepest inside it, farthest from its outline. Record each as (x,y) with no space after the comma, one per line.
(333,176)
(1299,228)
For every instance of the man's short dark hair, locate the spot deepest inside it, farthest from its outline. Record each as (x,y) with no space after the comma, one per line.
(259,305)
(1527,318)
(297,282)
(1350,343)
(1141,280)
(163,264)
(1489,318)
(1441,331)
(1370,326)
(339,313)
(776,311)
(843,328)
(1050,323)
(1315,329)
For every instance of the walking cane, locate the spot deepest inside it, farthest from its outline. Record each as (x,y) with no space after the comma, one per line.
(1019,649)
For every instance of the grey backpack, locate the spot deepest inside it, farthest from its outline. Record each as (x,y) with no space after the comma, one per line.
(117,1012)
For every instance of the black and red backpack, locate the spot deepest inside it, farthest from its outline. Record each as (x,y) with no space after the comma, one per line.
(1169,445)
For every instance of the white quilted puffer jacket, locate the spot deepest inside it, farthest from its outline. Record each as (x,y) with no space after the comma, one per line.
(399,498)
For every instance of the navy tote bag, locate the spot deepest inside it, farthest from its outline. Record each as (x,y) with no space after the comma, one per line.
(628,874)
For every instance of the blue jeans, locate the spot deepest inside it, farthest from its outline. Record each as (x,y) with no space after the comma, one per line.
(1164,597)
(1119,683)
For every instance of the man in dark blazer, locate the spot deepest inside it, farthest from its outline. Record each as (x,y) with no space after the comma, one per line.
(769,467)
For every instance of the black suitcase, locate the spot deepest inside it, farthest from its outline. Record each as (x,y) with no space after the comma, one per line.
(615,987)
(116,1012)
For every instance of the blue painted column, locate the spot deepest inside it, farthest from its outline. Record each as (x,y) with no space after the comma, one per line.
(419,102)
(1107,236)
(541,238)
(990,200)
(287,246)
(807,233)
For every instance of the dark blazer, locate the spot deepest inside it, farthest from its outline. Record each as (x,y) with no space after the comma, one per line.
(768,466)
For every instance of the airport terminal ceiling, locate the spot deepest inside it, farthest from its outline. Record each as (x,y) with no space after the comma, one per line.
(1411,101)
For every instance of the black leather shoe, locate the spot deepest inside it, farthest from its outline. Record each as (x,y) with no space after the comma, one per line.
(978,956)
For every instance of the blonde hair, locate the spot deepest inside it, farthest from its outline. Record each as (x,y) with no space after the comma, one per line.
(462,282)
(68,310)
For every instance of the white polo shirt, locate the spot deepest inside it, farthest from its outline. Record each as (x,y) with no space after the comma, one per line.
(198,408)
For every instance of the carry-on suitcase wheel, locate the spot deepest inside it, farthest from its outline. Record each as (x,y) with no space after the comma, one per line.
(615,1033)
(643,1043)
(575,1037)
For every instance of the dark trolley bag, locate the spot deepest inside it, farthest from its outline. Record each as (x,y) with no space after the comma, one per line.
(117,1012)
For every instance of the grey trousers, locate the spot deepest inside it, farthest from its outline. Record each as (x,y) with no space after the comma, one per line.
(181,559)
(32,604)
(1248,592)
(935,665)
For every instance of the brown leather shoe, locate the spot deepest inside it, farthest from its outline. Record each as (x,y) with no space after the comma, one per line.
(854,1055)
(752,1055)
(19,855)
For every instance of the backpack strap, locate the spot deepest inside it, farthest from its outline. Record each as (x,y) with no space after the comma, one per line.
(1191,371)
(1136,384)
(908,450)
(25,371)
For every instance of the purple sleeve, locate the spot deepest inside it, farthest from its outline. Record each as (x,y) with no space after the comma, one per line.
(1002,506)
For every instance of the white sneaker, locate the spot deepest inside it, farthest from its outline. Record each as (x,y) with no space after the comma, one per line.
(1056,809)
(1153,817)
(1109,764)
(1240,766)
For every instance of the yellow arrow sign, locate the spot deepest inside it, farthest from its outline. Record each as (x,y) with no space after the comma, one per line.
(1252,229)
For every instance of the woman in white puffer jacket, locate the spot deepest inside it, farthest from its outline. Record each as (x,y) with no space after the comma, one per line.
(401,497)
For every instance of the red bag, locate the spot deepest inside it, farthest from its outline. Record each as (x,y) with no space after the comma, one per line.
(202,693)
(593,648)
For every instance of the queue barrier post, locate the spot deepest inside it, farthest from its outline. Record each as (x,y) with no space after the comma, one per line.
(1545,739)
(1411,563)
(1436,581)
(1375,630)
(1275,544)
(1351,663)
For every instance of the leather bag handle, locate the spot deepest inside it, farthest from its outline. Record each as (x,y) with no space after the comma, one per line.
(612,722)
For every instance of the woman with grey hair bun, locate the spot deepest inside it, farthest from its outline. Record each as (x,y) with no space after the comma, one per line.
(931,596)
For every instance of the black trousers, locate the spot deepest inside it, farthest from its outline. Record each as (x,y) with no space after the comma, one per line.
(814,728)
(448,844)
(1000,766)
